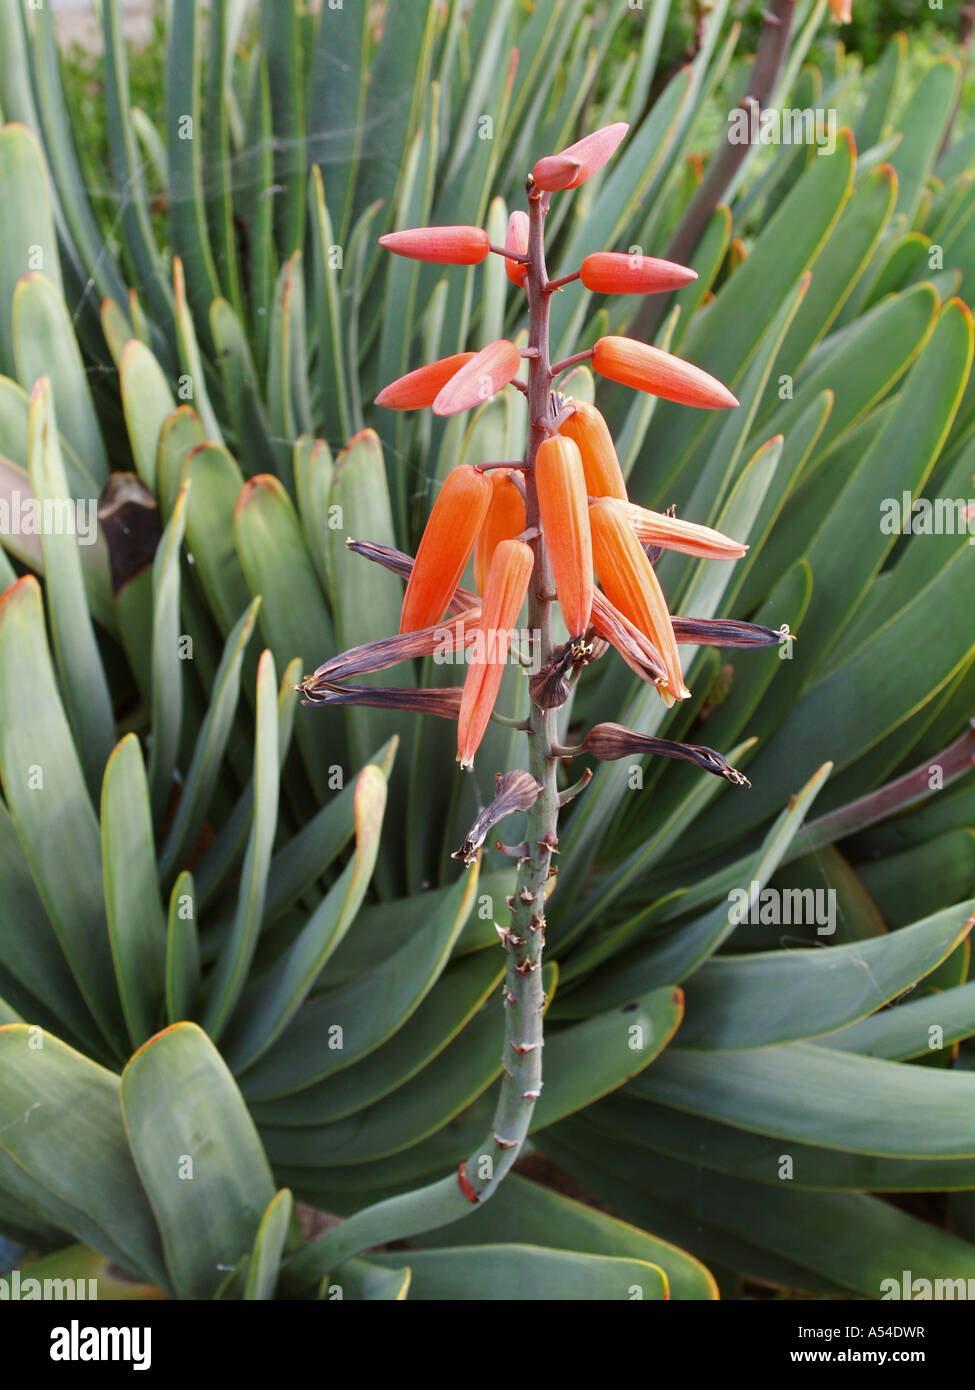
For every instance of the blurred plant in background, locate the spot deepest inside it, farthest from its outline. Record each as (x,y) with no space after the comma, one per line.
(193,332)
(871,24)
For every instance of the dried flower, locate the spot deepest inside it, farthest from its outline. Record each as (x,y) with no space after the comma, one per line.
(514,791)
(611,741)
(399,563)
(550,687)
(630,583)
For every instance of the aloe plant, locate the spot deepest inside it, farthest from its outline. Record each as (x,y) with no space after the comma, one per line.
(228,885)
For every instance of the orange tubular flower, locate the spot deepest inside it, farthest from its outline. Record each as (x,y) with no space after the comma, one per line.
(505,519)
(517,240)
(586,426)
(841,10)
(630,584)
(420,388)
(654,528)
(445,547)
(648,369)
(444,245)
(611,272)
(504,593)
(481,378)
(564,508)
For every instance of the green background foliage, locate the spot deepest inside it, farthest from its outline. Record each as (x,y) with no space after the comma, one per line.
(210,879)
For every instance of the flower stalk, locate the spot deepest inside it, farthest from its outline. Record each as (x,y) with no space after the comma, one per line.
(524,940)
(536,529)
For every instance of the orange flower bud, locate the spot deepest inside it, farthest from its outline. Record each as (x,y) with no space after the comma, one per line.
(655,528)
(604,477)
(480,379)
(610,272)
(630,584)
(841,10)
(564,507)
(445,547)
(505,519)
(445,245)
(504,593)
(648,369)
(556,171)
(517,240)
(594,150)
(420,388)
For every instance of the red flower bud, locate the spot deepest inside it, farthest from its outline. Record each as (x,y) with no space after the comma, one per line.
(398,563)
(648,369)
(517,240)
(420,388)
(480,379)
(594,150)
(443,701)
(556,171)
(611,272)
(444,245)
(634,646)
(630,584)
(389,651)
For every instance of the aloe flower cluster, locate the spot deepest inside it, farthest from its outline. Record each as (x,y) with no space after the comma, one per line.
(554,528)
